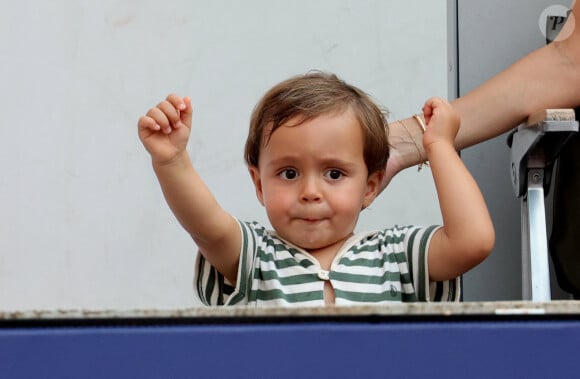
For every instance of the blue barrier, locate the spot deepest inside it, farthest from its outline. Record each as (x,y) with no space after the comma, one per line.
(366,346)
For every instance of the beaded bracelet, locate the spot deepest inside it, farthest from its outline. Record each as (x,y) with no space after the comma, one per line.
(424,128)
(420,121)
(414,143)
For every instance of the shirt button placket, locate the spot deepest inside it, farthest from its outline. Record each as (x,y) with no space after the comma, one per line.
(323,275)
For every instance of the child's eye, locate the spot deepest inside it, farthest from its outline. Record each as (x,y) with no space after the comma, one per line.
(288,174)
(334,174)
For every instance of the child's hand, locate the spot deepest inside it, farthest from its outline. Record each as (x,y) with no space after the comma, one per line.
(165,129)
(442,122)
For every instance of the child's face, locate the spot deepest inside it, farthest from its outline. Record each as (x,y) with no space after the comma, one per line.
(313,180)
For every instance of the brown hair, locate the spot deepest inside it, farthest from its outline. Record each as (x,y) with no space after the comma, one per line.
(312,95)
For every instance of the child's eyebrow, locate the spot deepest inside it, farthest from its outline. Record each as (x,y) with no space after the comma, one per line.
(337,162)
(325,162)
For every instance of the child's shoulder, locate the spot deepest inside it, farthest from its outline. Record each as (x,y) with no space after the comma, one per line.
(397,230)
(398,234)
(260,231)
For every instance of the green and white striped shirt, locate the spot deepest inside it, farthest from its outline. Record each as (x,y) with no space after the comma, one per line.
(378,267)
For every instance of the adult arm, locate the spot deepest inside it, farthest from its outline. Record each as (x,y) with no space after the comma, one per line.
(548,77)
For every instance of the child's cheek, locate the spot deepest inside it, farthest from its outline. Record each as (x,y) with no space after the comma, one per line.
(279,201)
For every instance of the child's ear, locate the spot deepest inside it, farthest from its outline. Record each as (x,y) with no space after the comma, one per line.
(373,185)
(255,174)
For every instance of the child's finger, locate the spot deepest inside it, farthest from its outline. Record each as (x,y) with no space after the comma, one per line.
(183,105)
(428,111)
(187,112)
(160,118)
(170,112)
(177,101)
(146,122)
(179,104)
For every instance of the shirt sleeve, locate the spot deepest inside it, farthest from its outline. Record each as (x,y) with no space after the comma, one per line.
(213,289)
(417,246)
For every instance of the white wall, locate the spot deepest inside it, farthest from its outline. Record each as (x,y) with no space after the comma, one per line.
(83,223)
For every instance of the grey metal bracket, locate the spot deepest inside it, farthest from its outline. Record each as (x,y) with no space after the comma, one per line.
(535,146)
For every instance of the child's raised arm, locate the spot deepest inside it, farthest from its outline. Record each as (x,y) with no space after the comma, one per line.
(164,131)
(467,236)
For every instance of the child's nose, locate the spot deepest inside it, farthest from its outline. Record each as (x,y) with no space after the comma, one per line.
(310,190)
